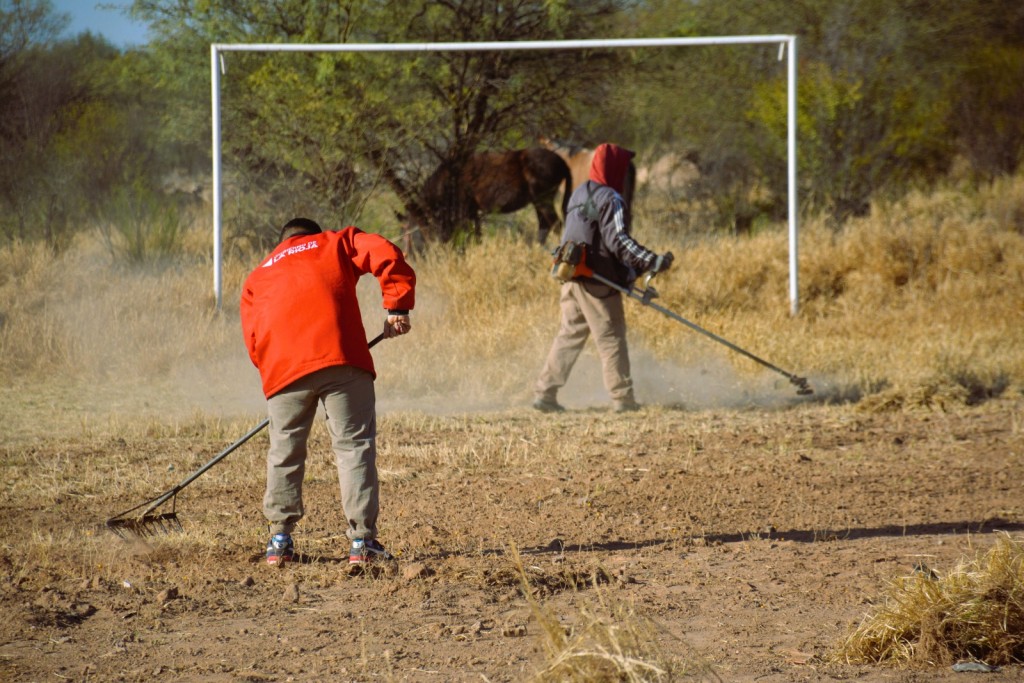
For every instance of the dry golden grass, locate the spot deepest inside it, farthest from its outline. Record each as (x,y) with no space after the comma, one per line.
(975,612)
(923,296)
(608,643)
(921,304)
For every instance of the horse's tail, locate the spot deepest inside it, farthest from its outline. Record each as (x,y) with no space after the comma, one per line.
(567,183)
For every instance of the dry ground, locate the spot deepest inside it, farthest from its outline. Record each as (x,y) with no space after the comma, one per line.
(754,539)
(754,531)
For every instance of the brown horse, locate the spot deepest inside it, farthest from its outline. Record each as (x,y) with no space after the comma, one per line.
(578,159)
(493,182)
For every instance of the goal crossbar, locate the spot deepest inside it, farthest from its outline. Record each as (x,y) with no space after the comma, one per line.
(787,50)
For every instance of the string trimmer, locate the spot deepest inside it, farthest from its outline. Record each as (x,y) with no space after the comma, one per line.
(570,261)
(149,522)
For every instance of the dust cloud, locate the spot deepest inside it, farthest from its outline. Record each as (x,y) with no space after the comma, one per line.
(145,344)
(432,383)
(710,383)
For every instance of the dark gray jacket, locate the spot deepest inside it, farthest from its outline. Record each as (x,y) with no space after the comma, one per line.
(599,218)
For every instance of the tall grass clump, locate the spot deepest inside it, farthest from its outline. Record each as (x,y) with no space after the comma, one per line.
(607,643)
(140,226)
(31,339)
(923,298)
(973,613)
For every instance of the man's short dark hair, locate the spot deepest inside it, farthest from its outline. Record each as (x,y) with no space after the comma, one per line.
(300,226)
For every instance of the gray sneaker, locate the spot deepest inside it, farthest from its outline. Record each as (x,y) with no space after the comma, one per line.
(627,406)
(548,405)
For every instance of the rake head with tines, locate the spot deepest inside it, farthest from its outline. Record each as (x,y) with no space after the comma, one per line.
(147,523)
(150,523)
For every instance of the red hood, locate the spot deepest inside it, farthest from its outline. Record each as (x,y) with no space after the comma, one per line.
(610,165)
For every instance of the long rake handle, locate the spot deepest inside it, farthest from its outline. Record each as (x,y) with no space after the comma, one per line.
(800,382)
(157,502)
(202,470)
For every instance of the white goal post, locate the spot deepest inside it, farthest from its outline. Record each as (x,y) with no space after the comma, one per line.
(787,50)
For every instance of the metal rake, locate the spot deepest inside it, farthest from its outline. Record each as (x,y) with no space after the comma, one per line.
(150,523)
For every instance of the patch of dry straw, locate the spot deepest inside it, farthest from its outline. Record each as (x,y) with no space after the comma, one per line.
(973,613)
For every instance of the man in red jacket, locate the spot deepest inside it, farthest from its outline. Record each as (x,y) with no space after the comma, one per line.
(304,332)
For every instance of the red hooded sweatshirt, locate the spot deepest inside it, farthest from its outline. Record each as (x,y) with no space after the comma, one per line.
(299,308)
(610,165)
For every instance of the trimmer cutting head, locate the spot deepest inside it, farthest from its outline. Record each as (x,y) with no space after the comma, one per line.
(802,388)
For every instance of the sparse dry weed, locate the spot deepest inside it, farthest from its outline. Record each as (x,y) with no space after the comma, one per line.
(608,640)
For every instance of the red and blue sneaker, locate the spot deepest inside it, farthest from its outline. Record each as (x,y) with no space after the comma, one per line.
(280,549)
(366,551)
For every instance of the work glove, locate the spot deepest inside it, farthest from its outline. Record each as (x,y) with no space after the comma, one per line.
(662,263)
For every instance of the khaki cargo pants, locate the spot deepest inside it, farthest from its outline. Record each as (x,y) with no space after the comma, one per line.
(590,308)
(348,399)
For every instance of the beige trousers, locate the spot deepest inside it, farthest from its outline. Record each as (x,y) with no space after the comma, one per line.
(348,399)
(587,309)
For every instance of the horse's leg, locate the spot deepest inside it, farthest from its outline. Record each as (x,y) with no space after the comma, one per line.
(546,218)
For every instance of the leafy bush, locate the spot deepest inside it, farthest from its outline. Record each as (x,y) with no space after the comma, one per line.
(140,225)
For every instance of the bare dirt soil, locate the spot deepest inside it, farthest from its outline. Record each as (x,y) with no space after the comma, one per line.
(755,540)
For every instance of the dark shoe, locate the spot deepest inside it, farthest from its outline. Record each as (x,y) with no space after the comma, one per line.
(367,551)
(280,549)
(548,405)
(628,406)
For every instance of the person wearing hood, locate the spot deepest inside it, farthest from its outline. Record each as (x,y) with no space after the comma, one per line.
(598,218)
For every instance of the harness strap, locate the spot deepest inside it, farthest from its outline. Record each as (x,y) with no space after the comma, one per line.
(589,207)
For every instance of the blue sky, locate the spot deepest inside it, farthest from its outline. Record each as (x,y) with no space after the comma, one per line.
(112,24)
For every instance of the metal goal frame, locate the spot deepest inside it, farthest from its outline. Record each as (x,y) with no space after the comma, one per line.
(787,51)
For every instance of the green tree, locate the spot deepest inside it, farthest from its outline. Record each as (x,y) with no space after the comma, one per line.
(50,88)
(320,132)
(888,95)
(26,113)
(79,125)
